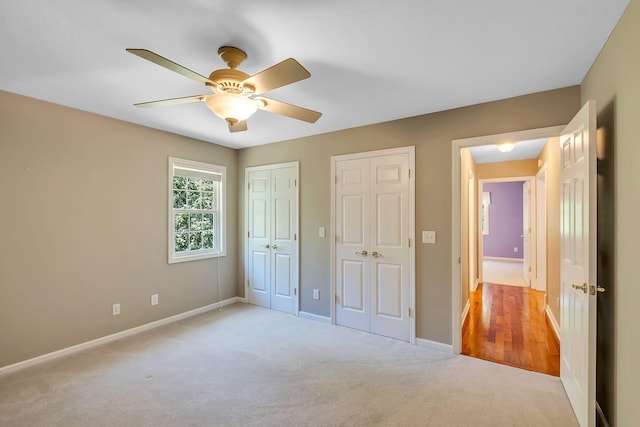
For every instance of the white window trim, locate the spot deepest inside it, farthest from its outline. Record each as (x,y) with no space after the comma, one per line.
(175,257)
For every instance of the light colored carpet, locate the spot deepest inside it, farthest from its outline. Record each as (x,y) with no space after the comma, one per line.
(246,365)
(503,273)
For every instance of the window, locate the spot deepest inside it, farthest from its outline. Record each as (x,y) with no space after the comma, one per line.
(486,201)
(196,210)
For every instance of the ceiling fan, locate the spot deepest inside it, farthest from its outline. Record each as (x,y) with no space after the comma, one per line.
(234,92)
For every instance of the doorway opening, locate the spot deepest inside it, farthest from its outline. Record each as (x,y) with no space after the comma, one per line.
(505,318)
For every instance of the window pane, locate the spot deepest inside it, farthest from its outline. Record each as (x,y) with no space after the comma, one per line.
(194,184)
(194,200)
(179,199)
(206,185)
(181,222)
(196,222)
(182,243)
(195,240)
(207,200)
(179,182)
(207,221)
(207,240)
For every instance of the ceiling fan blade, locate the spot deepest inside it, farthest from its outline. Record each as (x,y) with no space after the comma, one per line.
(172,101)
(238,127)
(286,72)
(288,110)
(170,65)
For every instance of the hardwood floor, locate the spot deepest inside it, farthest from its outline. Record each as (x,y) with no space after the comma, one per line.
(507,324)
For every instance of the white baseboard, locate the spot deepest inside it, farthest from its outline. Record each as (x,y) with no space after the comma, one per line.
(316,317)
(434,345)
(553,321)
(465,312)
(498,258)
(113,337)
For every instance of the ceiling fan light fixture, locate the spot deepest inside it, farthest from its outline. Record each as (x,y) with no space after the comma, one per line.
(230,107)
(506,147)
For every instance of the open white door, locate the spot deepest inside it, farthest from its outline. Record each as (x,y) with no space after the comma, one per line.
(578,264)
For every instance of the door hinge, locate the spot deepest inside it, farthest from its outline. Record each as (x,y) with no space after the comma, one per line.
(409,173)
(529,269)
(249,185)
(337,299)
(337,180)
(409,312)
(295,236)
(295,182)
(459,260)
(409,242)
(248,234)
(295,291)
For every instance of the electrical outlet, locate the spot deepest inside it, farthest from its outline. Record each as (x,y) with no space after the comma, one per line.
(316,294)
(321,232)
(115,309)
(429,237)
(154,299)
(515,249)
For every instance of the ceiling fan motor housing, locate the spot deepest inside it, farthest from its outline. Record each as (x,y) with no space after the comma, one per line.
(230,81)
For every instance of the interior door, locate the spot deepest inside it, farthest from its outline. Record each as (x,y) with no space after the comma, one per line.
(272,241)
(259,241)
(389,243)
(372,264)
(284,227)
(578,263)
(526,232)
(352,243)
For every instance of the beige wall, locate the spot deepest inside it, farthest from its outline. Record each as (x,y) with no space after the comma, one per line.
(84,225)
(432,136)
(512,169)
(614,83)
(550,156)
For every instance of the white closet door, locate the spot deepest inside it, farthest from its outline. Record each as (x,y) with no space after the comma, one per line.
(259,242)
(352,243)
(272,247)
(284,265)
(389,242)
(372,245)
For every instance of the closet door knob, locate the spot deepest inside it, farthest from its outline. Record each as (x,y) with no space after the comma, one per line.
(266,246)
(274,246)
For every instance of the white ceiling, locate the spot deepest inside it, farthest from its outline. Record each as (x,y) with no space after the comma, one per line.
(371,60)
(523,150)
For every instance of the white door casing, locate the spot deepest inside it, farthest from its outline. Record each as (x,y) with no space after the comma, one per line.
(372,226)
(473,235)
(541,230)
(272,241)
(526,232)
(578,263)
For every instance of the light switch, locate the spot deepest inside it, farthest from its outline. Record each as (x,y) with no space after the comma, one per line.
(429,237)
(321,232)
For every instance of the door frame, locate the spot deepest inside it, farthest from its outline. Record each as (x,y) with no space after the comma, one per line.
(541,231)
(274,166)
(456,233)
(532,221)
(410,150)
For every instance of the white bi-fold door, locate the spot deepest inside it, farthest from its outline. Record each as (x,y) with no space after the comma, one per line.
(272,236)
(372,226)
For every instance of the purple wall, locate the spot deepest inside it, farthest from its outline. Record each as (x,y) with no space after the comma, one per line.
(505,220)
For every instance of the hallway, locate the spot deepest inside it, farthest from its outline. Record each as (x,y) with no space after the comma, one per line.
(507,325)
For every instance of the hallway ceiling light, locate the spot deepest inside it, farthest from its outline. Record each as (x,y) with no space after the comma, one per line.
(506,147)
